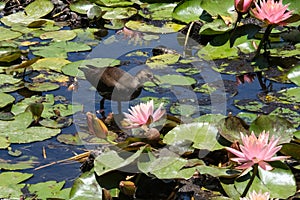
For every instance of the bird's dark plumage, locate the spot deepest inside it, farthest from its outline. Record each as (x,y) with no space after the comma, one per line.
(116,84)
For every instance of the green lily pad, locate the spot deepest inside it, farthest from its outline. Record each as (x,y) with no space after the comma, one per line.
(95,12)
(39,8)
(19,18)
(4,143)
(20,123)
(162,60)
(8,79)
(210,118)
(158,11)
(113,3)
(277,126)
(59,49)
(81,6)
(198,135)
(249,105)
(231,127)
(291,149)
(48,64)
(18,164)
(183,109)
(294,75)
(9,53)
(218,26)
(173,79)
(49,189)
(60,35)
(247,117)
(60,122)
(42,87)
(86,187)
(32,134)
(63,109)
(9,185)
(120,13)
(166,166)
(226,11)
(21,106)
(70,139)
(280,52)
(284,185)
(292,116)
(188,11)
(290,95)
(5,99)
(169,27)
(111,160)
(71,69)
(7,34)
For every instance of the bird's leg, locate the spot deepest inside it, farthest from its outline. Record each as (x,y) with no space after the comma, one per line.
(119,107)
(102,111)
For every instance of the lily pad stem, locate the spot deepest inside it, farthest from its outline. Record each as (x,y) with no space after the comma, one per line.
(254,173)
(187,37)
(264,39)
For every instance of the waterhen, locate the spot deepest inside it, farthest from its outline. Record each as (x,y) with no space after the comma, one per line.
(115,84)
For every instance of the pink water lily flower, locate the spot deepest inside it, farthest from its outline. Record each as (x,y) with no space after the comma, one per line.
(143,114)
(242,6)
(257,196)
(256,151)
(271,12)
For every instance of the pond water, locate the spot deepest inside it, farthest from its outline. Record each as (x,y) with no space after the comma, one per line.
(220,103)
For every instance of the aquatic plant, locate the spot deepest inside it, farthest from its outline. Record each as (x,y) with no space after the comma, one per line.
(143,114)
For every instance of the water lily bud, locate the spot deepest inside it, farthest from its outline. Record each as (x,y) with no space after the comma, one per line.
(96,126)
(242,6)
(127,188)
(152,134)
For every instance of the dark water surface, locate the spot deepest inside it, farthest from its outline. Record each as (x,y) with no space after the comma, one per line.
(90,99)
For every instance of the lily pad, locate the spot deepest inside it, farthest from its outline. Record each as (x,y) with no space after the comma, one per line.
(113,3)
(164,59)
(294,75)
(39,8)
(188,11)
(81,6)
(9,53)
(32,134)
(284,185)
(277,126)
(166,166)
(291,149)
(5,99)
(7,34)
(60,35)
(42,87)
(198,135)
(120,13)
(231,127)
(169,27)
(18,164)
(59,49)
(48,64)
(173,79)
(111,160)
(10,184)
(71,69)
(86,187)
(20,123)
(49,189)
(158,11)
(183,109)
(60,122)
(4,143)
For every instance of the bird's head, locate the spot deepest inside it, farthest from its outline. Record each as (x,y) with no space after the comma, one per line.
(146,75)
